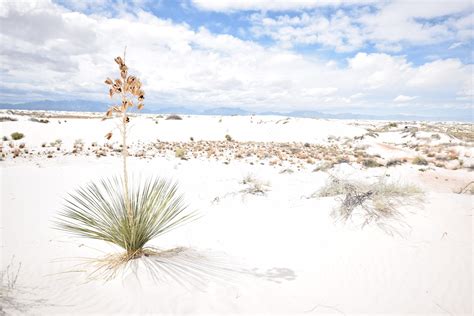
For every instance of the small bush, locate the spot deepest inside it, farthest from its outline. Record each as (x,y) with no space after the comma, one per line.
(180,153)
(393,162)
(7,119)
(174,117)
(254,186)
(5,138)
(17,136)
(34,119)
(373,203)
(392,124)
(370,163)
(228,138)
(420,161)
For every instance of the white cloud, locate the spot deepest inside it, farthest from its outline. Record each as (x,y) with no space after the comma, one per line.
(404,98)
(272,5)
(387,25)
(183,66)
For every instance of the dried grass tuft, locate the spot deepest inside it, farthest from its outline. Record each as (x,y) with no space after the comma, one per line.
(377,203)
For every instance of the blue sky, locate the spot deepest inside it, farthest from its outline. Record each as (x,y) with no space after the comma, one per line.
(360,56)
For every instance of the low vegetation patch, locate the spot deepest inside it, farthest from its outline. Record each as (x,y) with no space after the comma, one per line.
(180,153)
(378,203)
(37,120)
(17,136)
(254,186)
(420,161)
(370,163)
(7,119)
(12,295)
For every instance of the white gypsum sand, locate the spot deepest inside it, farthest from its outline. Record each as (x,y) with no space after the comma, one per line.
(274,253)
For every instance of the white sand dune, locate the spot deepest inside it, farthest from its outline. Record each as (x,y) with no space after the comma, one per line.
(279,253)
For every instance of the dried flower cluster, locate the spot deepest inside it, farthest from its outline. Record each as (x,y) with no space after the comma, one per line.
(128,87)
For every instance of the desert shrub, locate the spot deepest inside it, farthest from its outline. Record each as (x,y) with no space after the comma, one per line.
(325,166)
(228,138)
(376,203)
(180,153)
(34,119)
(17,136)
(393,162)
(99,211)
(254,186)
(7,119)
(5,138)
(420,161)
(392,124)
(174,117)
(370,163)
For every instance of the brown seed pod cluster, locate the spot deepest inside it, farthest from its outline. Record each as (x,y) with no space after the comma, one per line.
(128,87)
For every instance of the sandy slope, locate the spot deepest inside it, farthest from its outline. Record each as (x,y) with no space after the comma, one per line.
(275,254)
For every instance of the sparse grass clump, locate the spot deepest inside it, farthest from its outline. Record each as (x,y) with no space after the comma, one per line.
(420,161)
(254,186)
(17,136)
(373,203)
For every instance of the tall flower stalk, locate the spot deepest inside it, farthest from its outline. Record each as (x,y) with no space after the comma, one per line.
(128,87)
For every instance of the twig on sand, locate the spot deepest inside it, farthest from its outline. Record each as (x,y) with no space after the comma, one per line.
(325,306)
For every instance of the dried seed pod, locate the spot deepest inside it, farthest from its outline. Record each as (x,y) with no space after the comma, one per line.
(109,112)
(115,109)
(118,82)
(123,67)
(131,79)
(111,92)
(123,74)
(140,106)
(119,60)
(108,135)
(109,81)
(126,119)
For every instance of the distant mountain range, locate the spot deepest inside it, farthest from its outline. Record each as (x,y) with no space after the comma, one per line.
(94,106)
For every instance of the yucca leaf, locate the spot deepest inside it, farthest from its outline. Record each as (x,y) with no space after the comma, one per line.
(98,211)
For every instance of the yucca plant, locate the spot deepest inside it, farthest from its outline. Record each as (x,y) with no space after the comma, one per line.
(128,215)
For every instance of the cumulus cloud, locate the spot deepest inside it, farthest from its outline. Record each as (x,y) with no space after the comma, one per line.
(54,52)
